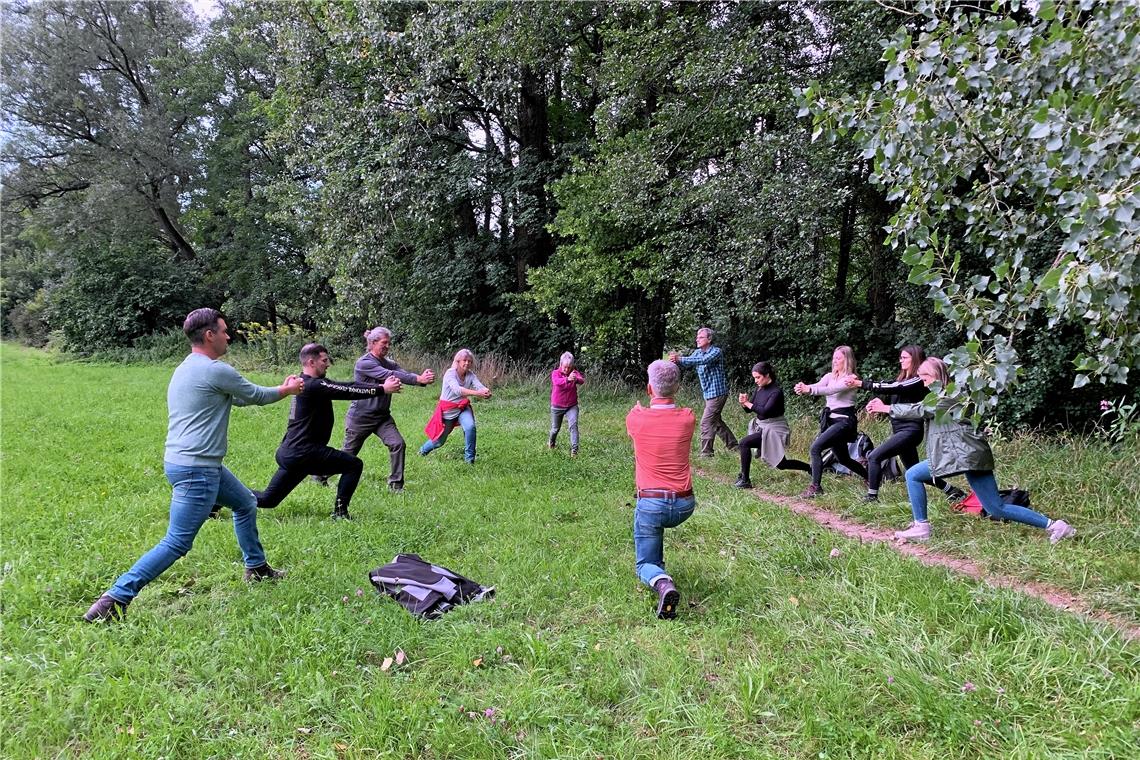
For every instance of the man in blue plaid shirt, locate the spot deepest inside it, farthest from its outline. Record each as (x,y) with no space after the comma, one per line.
(709,363)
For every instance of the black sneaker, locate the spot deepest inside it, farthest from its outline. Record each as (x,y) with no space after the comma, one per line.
(871,498)
(106,609)
(667,599)
(215,512)
(396,487)
(262,572)
(742,482)
(321,480)
(955,494)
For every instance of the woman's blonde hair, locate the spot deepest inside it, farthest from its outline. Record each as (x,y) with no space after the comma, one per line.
(848,360)
(936,367)
(463,353)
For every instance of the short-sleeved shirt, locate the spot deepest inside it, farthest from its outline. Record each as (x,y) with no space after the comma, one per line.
(662,438)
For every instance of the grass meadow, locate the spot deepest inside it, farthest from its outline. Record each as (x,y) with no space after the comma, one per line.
(781,649)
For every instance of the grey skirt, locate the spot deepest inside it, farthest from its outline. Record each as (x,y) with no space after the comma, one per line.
(776,436)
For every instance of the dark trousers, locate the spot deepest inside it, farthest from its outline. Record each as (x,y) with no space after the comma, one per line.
(904,445)
(386,431)
(293,468)
(838,433)
(753,441)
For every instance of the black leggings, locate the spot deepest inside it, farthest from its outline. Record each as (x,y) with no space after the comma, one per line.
(291,470)
(838,433)
(904,445)
(749,442)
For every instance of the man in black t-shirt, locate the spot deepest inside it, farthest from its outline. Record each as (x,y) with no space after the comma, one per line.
(304,450)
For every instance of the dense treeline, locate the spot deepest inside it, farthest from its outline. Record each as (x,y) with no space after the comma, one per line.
(604,177)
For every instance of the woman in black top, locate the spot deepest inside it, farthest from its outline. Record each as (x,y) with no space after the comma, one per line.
(773,433)
(906,434)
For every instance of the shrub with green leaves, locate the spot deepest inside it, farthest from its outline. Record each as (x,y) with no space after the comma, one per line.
(1005,134)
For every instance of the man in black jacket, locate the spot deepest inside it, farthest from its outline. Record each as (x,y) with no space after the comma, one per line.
(304,450)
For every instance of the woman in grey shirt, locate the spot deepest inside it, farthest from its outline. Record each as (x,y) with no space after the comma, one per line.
(460,385)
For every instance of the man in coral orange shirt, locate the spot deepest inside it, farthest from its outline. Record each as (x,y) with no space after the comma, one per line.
(662,436)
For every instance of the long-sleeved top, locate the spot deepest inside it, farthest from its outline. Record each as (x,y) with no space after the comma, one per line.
(449,389)
(908,391)
(311,413)
(709,363)
(564,388)
(201,392)
(371,411)
(767,402)
(835,390)
(952,446)
(662,436)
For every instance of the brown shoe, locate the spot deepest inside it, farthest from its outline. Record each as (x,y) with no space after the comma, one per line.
(262,573)
(106,609)
(667,599)
(811,492)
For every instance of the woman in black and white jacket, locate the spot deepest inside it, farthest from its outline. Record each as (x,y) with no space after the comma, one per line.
(906,434)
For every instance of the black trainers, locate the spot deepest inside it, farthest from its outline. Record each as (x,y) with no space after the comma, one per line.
(262,573)
(870,498)
(954,494)
(811,492)
(667,599)
(321,480)
(215,512)
(742,482)
(396,487)
(106,609)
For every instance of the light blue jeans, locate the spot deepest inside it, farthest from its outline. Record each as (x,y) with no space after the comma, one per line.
(650,519)
(196,490)
(985,486)
(466,421)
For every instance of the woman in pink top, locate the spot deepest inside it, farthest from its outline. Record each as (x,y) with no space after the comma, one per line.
(564,383)
(837,427)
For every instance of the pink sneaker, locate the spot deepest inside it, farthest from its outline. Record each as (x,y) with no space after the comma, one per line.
(1060,529)
(918,531)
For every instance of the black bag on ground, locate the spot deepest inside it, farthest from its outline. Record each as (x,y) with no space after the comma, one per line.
(858,449)
(424,589)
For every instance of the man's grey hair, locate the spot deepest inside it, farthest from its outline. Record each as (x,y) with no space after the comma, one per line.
(664,377)
(376,333)
(709,332)
(566,358)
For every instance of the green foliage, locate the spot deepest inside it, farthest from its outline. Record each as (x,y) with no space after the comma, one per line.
(1010,138)
(118,292)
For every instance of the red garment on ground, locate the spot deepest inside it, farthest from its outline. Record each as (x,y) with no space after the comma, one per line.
(661,442)
(434,428)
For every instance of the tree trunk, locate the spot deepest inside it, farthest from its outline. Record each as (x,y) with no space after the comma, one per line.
(532,243)
(843,262)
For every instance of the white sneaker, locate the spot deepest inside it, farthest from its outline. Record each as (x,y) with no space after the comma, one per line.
(918,531)
(1060,529)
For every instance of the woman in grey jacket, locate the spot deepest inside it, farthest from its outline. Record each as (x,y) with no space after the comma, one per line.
(954,447)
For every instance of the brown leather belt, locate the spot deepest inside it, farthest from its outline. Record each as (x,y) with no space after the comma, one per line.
(662,493)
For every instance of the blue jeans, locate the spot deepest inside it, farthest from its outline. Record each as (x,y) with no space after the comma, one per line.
(466,421)
(196,490)
(650,519)
(985,486)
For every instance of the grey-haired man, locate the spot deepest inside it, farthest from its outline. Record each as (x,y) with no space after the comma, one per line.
(374,415)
